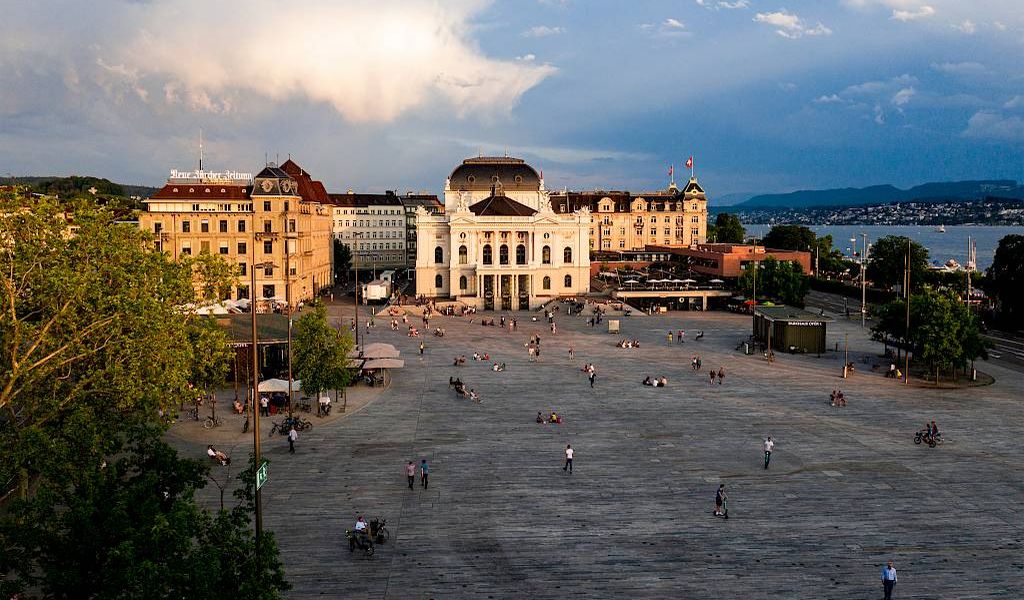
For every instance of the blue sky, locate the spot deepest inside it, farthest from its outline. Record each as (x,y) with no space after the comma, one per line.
(767,95)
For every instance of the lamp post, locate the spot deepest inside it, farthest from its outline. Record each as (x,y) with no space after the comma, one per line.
(906,353)
(754,291)
(355,266)
(257,459)
(865,248)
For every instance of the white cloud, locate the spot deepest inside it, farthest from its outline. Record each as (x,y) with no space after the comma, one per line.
(828,99)
(1015,102)
(789,25)
(988,124)
(669,28)
(966,26)
(787,86)
(875,87)
(961,68)
(527,57)
(902,97)
(921,12)
(671,23)
(345,57)
(734,5)
(543,31)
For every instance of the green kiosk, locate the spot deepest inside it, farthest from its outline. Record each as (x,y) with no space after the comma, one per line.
(789,329)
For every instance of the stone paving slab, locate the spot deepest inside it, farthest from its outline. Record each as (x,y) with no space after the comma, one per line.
(847,489)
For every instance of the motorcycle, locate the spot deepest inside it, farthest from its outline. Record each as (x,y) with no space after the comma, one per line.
(924,436)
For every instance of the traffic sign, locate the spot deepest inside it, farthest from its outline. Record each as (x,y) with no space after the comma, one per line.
(261,476)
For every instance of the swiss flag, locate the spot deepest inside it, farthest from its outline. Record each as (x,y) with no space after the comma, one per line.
(689,163)
(671,169)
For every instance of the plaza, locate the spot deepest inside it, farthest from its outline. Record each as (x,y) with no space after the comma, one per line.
(847,489)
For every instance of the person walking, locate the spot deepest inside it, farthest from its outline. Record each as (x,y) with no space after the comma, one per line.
(720,501)
(593,377)
(422,348)
(721,375)
(410,473)
(712,375)
(572,354)
(568,459)
(888,580)
(769,445)
(292,436)
(424,473)
(264,406)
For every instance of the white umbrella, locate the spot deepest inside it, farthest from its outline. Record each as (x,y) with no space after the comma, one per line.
(279,385)
(717,281)
(688,281)
(384,363)
(380,350)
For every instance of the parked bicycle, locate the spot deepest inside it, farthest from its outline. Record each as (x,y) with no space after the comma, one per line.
(212,422)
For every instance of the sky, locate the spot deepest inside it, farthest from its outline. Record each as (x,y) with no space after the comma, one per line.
(766,95)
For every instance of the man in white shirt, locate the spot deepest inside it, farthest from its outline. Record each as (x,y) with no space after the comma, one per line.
(888,580)
(568,459)
(769,445)
(292,437)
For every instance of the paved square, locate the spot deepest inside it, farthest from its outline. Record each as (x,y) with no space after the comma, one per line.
(846,491)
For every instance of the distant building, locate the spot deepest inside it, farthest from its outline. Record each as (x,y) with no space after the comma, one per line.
(373,226)
(626,222)
(499,245)
(412,202)
(246,219)
(729,260)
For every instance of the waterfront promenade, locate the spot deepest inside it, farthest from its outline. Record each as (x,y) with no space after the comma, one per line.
(846,491)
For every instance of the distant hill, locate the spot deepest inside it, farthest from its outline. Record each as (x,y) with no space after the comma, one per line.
(731,199)
(886,194)
(75,186)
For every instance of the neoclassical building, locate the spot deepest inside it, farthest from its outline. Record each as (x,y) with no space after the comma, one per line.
(499,245)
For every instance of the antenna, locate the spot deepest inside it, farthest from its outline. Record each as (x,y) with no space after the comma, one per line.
(200,148)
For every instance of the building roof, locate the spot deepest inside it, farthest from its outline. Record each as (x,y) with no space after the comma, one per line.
(500,206)
(481,173)
(273,171)
(201,192)
(622,201)
(309,189)
(352,199)
(428,201)
(692,187)
(788,313)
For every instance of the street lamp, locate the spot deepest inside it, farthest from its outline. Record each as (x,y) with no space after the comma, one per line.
(257,460)
(865,249)
(355,266)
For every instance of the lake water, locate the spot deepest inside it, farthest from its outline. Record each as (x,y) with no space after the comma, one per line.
(941,246)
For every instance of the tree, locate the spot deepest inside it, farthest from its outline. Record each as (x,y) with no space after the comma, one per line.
(211,355)
(321,353)
(342,260)
(888,258)
(790,237)
(783,281)
(214,276)
(136,532)
(1006,279)
(728,229)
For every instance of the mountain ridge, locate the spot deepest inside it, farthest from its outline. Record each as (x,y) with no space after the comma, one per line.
(886,193)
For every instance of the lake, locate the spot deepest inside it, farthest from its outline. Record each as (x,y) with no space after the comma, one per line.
(941,246)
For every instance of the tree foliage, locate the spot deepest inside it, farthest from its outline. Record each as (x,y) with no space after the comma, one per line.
(887,261)
(213,276)
(342,260)
(783,281)
(728,229)
(1006,279)
(790,237)
(321,353)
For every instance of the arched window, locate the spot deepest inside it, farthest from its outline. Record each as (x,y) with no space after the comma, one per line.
(545,255)
(462,283)
(546,283)
(488,255)
(520,254)
(568,281)
(439,255)
(567,255)
(438,281)
(463,255)
(503,254)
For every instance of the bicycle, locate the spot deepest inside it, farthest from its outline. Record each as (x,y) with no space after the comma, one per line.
(212,422)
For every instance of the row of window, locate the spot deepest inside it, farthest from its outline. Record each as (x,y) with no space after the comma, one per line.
(503,256)
(371,211)
(373,234)
(223,247)
(223,226)
(369,223)
(464,282)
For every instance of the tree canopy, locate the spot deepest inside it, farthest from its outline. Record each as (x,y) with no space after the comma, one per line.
(728,229)
(782,281)
(321,353)
(1006,279)
(887,261)
(790,237)
(342,260)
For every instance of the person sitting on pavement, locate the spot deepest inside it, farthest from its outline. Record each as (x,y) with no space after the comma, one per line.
(474,396)
(238,407)
(360,535)
(217,455)
(557,420)
(540,417)
(648,381)
(663,382)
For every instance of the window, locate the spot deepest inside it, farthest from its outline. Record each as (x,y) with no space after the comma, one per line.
(243,291)
(438,281)
(186,250)
(223,248)
(503,254)
(568,281)
(654,219)
(567,255)
(694,232)
(545,255)
(291,225)
(204,226)
(439,255)
(241,226)
(158,227)
(268,247)
(268,271)
(266,205)
(186,226)
(241,269)
(463,255)
(268,226)
(668,219)
(223,225)
(488,257)
(546,283)
(242,248)
(286,206)
(622,244)
(204,247)
(520,254)
(462,283)
(268,291)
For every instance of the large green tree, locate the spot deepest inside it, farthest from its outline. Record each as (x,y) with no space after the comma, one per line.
(342,260)
(887,261)
(790,237)
(728,229)
(93,344)
(1006,279)
(782,281)
(321,353)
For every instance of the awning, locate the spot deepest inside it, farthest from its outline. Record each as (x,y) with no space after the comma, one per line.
(279,385)
(383,363)
(379,350)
